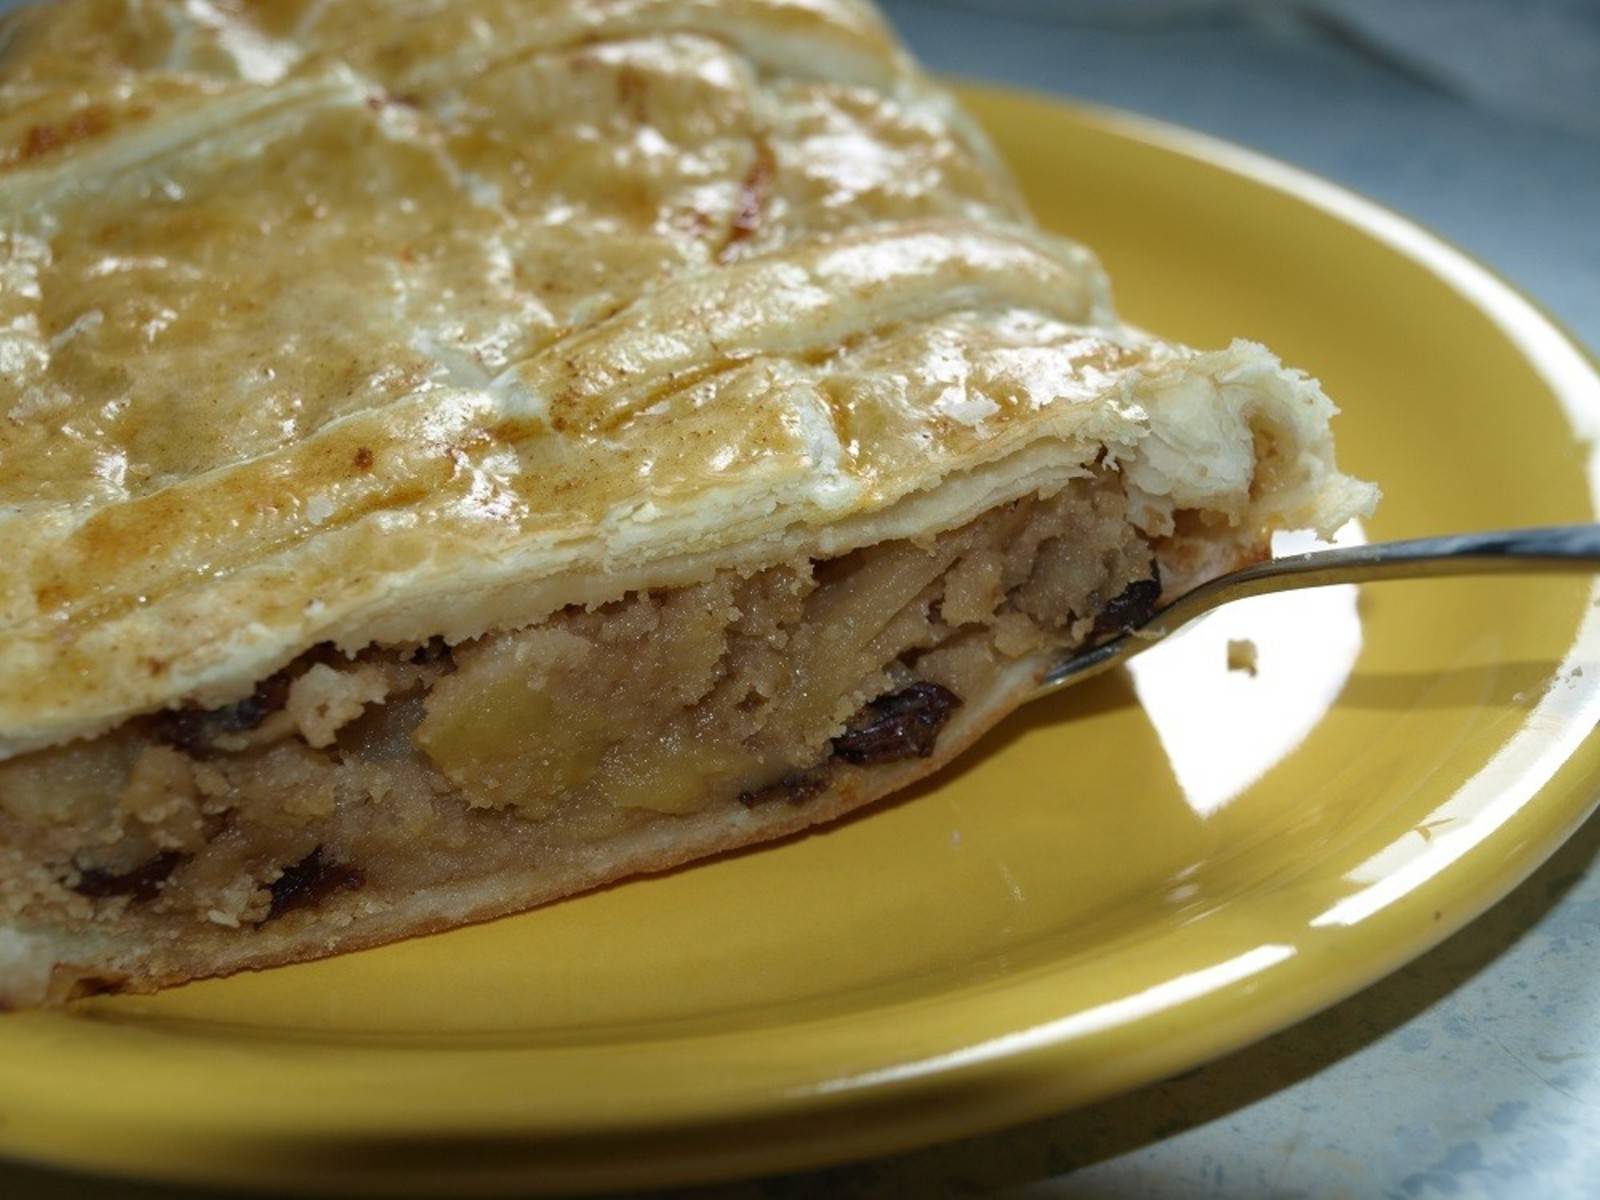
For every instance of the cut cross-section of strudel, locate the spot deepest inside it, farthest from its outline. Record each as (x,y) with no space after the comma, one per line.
(458,454)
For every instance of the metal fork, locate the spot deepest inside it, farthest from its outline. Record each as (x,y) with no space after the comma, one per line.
(1552,549)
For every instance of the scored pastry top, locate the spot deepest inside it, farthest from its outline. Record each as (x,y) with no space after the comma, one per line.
(372,321)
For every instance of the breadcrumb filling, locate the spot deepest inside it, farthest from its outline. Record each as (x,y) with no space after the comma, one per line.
(344,784)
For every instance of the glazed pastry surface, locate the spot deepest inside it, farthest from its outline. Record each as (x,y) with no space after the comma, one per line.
(367,322)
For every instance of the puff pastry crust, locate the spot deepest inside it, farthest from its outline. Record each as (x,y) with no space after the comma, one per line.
(372,323)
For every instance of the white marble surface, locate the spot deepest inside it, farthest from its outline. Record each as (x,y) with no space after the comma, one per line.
(1476,1070)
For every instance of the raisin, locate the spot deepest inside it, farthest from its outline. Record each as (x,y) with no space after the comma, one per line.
(142,883)
(193,729)
(1132,607)
(903,724)
(434,650)
(309,882)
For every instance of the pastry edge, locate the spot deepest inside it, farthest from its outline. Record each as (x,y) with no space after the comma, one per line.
(1148,435)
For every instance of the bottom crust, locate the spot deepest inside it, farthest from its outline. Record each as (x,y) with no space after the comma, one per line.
(416,789)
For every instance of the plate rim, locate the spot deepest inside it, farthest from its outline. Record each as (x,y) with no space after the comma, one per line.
(894,1108)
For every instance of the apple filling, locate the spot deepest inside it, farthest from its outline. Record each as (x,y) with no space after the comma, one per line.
(408,767)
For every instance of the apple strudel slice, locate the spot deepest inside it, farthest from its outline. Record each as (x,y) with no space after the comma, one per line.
(456,455)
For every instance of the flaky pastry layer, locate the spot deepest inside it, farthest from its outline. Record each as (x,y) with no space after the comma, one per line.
(374,322)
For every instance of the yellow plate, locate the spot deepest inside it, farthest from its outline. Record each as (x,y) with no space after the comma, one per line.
(1120,883)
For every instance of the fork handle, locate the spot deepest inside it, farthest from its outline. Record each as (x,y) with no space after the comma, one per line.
(1548,549)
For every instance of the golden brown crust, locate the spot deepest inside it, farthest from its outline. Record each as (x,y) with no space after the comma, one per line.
(346,322)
